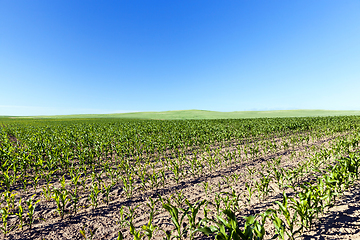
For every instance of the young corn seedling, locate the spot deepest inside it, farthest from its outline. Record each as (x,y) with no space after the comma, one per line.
(206,188)
(4,217)
(31,210)
(264,186)
(176,171)
(83,183)
(106,190)
(132,214)
(193,167)
(220,186)
(259,228)
(250,191)
(191,214)
(63,182)
(303,210)
(9,199)
(290,221)
(279,227)
(120,236)
(61,198)
(7,179)
(143,179)
(176,218)
(47,192)
(235,177)
(35,182)
(74,200)
(48,177)
(226,200)
(154,179)
(123,216)
(149,229)
(330,189)
(20,215)
(168,235)
(91,231)
(217,203)
(251,171)
(138,235)
(234,200)
(163,177)
(94,194)
(75,180)
(178,198)
(313,195)
(228,228)
(128,185)
(24,185)
(228,181)
(279,176)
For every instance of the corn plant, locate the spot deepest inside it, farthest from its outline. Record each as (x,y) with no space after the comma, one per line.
(31,210)
(20,215)
(279,227)
(177,218)
(176,172)
(94,194)
(228,228)
(131,215)
(122,220)
(9,199)
(106,190)
(91,232)
(250,191)
(4,217)
(7,179)
(263,186)
(226,200)
(217,203)
(289,227)
(234,200)
(120,236)
(128,185)
(178,197)
(138,235)
(149,229)
(74,197)
(154,179)
(47,192)
(61,197)
(279,176)
(35,181)
(191,214)
(206,187)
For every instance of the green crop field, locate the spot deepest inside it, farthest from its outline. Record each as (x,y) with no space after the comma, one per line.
(120,178)
(202,114)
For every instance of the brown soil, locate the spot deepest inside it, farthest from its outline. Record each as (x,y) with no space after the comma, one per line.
(342,222)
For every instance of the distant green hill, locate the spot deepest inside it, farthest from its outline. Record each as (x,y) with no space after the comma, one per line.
(203,114)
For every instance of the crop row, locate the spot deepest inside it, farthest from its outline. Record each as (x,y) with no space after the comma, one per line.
(76,164)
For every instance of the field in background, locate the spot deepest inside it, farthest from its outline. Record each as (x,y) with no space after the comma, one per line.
(203,114)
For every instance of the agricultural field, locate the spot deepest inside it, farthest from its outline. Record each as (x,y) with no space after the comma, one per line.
(203,114)
(263,178)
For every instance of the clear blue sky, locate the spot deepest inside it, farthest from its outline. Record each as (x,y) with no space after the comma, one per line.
(64,57)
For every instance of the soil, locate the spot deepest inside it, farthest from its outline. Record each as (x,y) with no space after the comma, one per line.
(341,222)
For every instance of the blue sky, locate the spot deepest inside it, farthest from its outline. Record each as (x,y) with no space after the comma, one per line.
(65,57)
